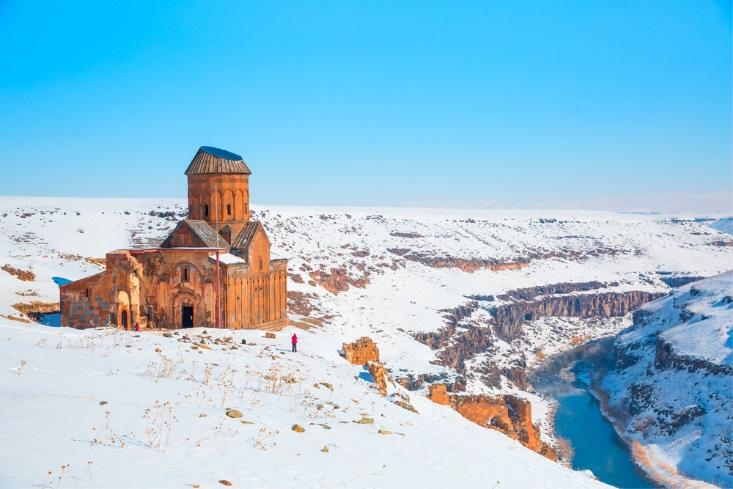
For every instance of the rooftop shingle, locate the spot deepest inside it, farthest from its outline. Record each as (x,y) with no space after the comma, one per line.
(215,160)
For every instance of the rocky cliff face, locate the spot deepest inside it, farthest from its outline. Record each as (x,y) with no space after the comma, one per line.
(465,264)
(338,280)
(665,357)
(510,317)
(530,293)
(460,340)
(508,414)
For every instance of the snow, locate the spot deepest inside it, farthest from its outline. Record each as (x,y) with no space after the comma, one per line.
(228,258)
(163,421)
(684,419)
(52,395)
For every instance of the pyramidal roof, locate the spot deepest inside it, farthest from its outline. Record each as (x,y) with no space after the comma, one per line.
(214,160)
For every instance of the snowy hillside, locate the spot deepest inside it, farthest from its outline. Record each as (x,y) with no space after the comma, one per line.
(472,299)
(672,387)
(108,409)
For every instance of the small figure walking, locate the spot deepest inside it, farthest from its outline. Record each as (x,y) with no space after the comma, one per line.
(137,326)
(294,342)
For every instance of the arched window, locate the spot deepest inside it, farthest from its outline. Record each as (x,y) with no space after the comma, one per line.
(184,274)
(229,209)
(206,210)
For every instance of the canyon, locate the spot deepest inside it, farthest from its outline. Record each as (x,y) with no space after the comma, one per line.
(463,306)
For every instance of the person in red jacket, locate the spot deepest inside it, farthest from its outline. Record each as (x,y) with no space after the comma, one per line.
(294,342)
(137,326)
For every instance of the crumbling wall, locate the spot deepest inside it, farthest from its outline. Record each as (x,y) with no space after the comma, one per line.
(361,351)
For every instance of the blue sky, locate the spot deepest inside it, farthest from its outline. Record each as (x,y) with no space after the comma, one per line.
(595,104)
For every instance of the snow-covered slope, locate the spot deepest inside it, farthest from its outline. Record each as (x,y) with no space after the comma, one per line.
(391,274)
(100,408)
(672,386)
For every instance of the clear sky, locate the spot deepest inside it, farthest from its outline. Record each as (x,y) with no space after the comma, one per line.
(622,104)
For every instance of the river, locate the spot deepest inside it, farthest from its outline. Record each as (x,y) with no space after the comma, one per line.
(579,421)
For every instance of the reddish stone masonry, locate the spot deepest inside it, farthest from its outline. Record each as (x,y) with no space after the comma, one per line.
(361,351)
(213,270)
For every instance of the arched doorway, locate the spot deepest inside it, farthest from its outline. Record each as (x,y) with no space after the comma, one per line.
(186,309)
(123,310)
(186,315)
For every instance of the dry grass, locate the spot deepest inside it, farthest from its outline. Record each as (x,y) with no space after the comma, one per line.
(24,275)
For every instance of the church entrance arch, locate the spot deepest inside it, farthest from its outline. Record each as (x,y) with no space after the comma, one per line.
(123,310)
(186,316)
(187,310)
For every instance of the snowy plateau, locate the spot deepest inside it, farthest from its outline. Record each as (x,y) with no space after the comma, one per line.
(474,299)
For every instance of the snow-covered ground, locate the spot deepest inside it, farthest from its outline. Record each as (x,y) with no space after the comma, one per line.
(100,408)
(390,287)
(673,385)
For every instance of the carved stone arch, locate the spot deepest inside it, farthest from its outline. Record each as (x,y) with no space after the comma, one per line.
(124,313)
(238,206)
(187,298)
(215,210)
(227,206)
(177,277)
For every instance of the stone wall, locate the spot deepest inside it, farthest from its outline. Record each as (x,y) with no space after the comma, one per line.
(379,374)
(217,191)
(361,351)
(255,299)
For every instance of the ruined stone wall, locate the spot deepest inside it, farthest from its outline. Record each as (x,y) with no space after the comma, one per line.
(145,286)
(166,288)
(361,351)
(84,305)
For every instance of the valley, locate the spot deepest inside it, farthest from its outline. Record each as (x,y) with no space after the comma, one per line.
(472,300)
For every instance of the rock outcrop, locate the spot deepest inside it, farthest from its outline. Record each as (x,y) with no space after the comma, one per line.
(469,265)
(510,317)
(379,374)
(508,414)
(438,393)
(338,280)
(20,274)
(666,358)
(530,293)
(679,281)
(457,345)
(36,309)
(361,352)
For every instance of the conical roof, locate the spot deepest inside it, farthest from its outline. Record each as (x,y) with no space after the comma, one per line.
(214,160)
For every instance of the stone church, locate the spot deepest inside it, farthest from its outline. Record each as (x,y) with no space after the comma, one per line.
(214,269)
